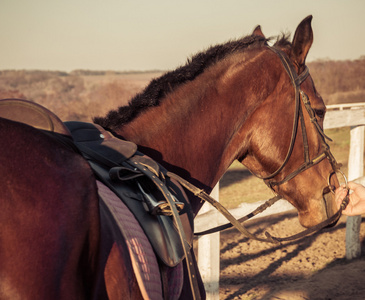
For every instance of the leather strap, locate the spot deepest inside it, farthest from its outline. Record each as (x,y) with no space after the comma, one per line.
(240,227)
(205,197)
(296,81)
(186,247)
(167,195)
(300,95)
(258,210)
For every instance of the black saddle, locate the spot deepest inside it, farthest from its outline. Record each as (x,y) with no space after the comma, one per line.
(117,163)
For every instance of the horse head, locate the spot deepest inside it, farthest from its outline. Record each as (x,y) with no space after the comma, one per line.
(293,157)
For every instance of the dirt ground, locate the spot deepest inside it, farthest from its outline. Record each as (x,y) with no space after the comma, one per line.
(313,268)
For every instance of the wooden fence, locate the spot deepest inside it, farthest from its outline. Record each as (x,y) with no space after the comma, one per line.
(342,115)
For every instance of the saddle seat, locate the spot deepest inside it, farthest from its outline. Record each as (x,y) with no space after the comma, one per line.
(32,114)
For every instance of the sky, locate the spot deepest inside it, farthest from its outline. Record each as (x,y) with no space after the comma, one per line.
(140,35)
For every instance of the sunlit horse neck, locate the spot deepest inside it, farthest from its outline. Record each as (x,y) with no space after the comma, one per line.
(198,111)
(235,101)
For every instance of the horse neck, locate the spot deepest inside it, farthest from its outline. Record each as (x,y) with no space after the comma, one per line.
(196,131)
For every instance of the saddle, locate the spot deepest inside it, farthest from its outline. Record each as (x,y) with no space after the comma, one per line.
(32,114)
(132,176)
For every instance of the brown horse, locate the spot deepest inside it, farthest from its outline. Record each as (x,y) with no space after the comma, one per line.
(233,101)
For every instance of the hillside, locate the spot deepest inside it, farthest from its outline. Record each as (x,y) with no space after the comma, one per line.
(82,94)
(78,95)
(339,81)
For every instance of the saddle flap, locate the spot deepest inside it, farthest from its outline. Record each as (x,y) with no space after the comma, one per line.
(160,230)
(107,156)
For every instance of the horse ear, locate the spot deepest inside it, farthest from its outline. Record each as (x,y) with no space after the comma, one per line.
(257,31)
(302,41)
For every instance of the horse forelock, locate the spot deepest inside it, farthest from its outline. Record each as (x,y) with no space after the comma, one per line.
(170,81)
(282,41)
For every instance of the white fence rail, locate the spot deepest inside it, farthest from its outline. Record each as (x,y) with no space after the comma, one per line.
(345,106)
(342,115)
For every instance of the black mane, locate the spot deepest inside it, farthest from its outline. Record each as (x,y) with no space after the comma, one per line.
(168,82)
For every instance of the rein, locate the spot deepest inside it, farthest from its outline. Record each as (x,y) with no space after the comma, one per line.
(296,80)
(240,227)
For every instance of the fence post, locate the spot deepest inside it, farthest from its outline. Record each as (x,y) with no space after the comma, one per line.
(209,253)
(356,162)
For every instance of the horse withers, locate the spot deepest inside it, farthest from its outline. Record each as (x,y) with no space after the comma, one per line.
(240,100)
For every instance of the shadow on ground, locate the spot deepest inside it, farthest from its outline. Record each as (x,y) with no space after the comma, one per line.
(234,176)
(255,278)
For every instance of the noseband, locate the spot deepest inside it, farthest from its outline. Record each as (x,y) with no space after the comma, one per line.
(325,152)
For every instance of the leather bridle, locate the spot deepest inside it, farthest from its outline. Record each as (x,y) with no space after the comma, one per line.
(325,152)
(300,96)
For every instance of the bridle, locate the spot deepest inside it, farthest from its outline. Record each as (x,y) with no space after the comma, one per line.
(325,152)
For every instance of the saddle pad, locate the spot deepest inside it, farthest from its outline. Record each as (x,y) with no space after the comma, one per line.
(143,258)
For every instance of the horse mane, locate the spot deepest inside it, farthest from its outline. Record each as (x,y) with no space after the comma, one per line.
(167,83)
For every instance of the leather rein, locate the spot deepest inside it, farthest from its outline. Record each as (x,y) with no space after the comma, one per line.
(296,80)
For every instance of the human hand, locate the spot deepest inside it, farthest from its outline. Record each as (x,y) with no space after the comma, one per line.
(356,204)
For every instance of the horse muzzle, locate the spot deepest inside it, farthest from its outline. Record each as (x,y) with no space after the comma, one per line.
(333,181)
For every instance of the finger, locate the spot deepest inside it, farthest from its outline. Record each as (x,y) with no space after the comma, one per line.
(340,195)
(340,189)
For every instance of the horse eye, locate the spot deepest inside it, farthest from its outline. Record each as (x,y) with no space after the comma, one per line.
(319,113)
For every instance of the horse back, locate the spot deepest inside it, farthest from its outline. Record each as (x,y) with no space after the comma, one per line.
(49,217)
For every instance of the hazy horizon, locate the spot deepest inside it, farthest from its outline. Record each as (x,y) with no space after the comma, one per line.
(121,35)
